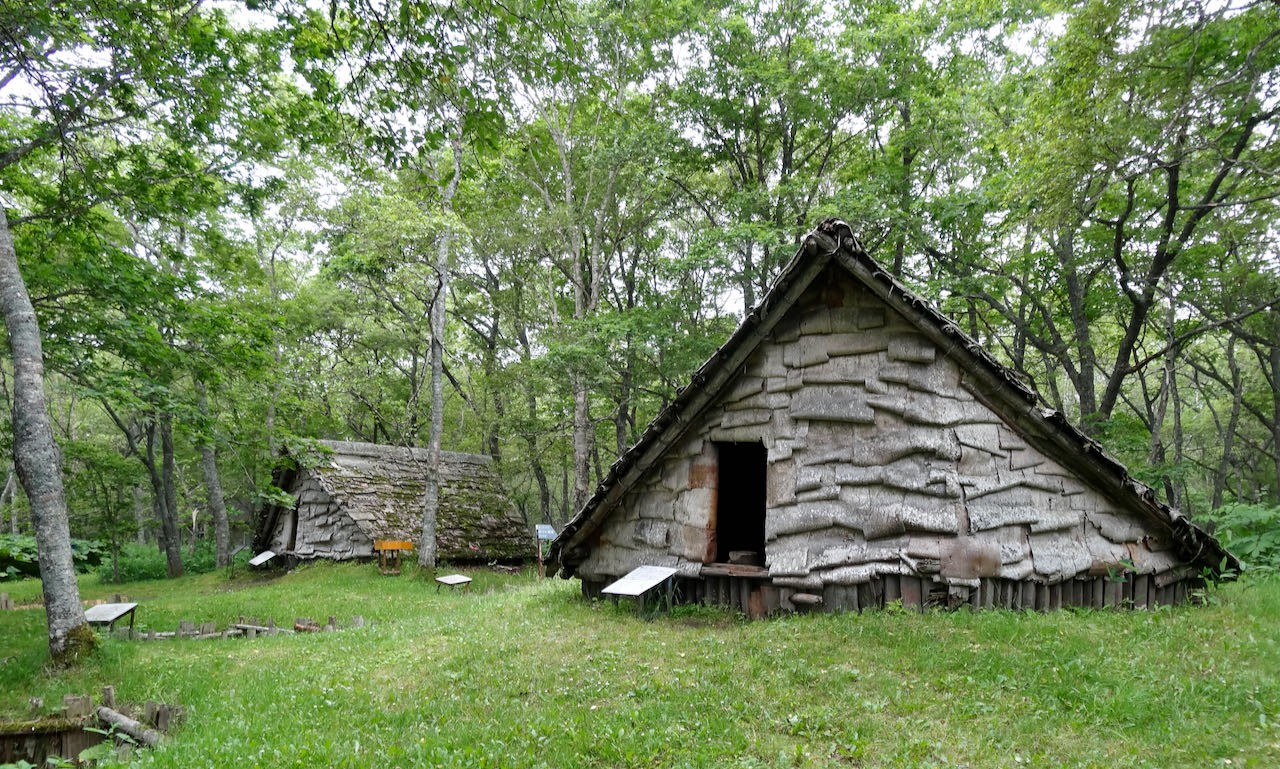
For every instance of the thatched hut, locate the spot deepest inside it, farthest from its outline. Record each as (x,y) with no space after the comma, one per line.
(347,495)
(850,446)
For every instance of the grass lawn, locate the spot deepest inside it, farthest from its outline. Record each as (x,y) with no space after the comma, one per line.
(524,673)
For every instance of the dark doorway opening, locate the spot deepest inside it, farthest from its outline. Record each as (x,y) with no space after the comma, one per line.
(293,525)
(740,502)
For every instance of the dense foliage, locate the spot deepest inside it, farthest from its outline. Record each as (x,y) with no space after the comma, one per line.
(137,562)
(18,556)
(264,210)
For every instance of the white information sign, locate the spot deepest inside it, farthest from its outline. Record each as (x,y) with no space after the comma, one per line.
(640,580)
(261,558)
(107,613)
(546,531)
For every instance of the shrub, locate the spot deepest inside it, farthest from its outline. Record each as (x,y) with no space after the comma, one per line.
(18,555)
(1252,532)
(140,562)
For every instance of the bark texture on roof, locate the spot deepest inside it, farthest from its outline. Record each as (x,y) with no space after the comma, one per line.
(378,490)
(1004,391)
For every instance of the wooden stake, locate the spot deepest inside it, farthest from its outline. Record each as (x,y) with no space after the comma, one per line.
(77,707)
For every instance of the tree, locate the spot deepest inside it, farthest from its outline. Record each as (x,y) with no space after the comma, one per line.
(1146,134)
(769,103)
(39,463)
(83,81)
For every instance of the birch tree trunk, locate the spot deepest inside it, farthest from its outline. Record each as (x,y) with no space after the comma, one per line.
(431,495)
(39,462)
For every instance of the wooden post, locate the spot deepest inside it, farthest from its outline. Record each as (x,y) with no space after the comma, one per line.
(542,570)
(1028,601)
(109,697)
(892,589)
(77,707)
(911,597)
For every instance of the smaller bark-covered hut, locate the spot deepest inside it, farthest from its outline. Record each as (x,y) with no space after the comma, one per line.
(850,446)
(349,494)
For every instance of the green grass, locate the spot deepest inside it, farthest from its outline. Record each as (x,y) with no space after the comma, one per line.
(522,673)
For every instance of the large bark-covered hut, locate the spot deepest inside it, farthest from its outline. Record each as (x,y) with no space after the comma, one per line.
(346,495)
(850,446)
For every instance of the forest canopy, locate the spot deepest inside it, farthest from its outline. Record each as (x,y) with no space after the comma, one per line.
(245,225)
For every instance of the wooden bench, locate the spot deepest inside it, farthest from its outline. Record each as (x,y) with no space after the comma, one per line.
(388,551)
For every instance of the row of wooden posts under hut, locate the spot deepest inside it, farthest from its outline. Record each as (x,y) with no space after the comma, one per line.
(755,597)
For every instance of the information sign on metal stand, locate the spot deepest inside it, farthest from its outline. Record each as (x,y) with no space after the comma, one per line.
(545,532)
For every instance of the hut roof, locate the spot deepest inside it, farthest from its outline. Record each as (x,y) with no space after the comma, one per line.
(1003,389)
(381,488)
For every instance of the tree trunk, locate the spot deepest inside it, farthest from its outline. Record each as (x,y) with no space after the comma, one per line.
(1227,463)
(164,498)
(140,515)
(6,503)
(565,512)
(530,438)
(582,442)
(213,486)
(169,472)
(1178,496)
(39,462)
(904,193)
(1275,411)
(431,493)
(1081,370)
